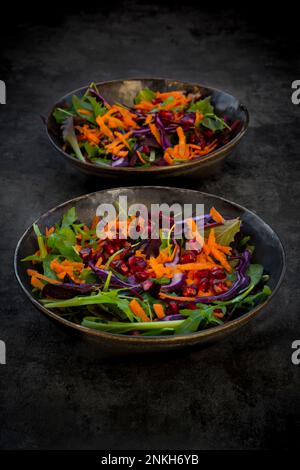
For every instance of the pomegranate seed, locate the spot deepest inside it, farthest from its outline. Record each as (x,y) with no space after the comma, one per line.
(193,139)
(124,268)
(191,306)
(168,115)
(189,291)
(141,276)
(202,273)
(218,273)
(136,264)
(146,149)
(156,101)
(147,285)
(220,287)
(173,308)
(188,257)
(109,248)
(204,284)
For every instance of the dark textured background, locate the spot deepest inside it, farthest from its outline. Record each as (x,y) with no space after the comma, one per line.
(55,392)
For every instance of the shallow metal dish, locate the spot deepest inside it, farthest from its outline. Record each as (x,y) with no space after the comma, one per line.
(269,252)
(123,91)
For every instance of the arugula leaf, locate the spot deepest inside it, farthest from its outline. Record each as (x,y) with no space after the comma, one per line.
(80,103)
(69,217)
(97,107)
(63,241)
(225,233)
(203,106)
(190,325)
(93,150)
(119,327)
(213,122)
(69,136)
(60,115)
(254,298)
(46,267)
(255,272)
(144,95)
(41,242)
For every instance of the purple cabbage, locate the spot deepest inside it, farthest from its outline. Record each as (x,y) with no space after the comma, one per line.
(97,95)
(114,280)
(120,162)
(177,316)
(68,290)
(242,281)
(165,142)
(176,283)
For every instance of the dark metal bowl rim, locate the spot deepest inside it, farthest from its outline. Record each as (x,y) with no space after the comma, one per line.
(210,332)
(190,164)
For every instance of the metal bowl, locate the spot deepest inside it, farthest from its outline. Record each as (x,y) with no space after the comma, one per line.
(269,252)
(124,91)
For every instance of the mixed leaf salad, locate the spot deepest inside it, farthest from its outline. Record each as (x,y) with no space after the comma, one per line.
(147,287)
(160,129)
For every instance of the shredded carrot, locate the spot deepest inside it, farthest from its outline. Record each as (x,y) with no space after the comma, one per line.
(122,138)
(103,127)
(33,273)
(216,216)
(162,295)
(144,105)
(195,266)
(168,157)
(182,148)
(86,112)
(219,256)
(199,118)
(140,157)
(49,231)
(36,283)
(155,132)
(148,119)
(138,311)
(99,262)
(95,222)
(218,314)
(159,310)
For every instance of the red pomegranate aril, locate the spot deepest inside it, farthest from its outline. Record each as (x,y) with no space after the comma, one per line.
(124,268)
(202,273)
(191,306)
(219,287)
(193,139)
(136,264)
(168,115)
(109,248)
(173,308)
(189,291)
(156,101)
(146,149)
(218,273)
(141,276)
(188,257)
(204,284)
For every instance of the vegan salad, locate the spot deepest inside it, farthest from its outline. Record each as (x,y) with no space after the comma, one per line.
(160,129)
(147,287)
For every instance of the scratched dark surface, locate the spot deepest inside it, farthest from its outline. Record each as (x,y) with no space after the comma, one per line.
(56,392)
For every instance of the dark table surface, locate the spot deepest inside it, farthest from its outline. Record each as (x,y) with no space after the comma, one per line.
(56,392)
